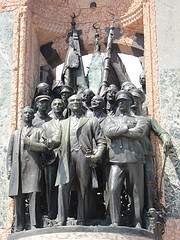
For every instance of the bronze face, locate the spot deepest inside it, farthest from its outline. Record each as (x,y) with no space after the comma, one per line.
(75,103)
(27,115)
(57,105)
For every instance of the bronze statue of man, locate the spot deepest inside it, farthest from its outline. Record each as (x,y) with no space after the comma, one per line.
(65,93)
(43,88)
(41,116)
(24,170)
(142,80)
(98,107)
(126,158)
(87,95)
(111,101)
(128,86)
(77,134)
(149,169)
(49,129)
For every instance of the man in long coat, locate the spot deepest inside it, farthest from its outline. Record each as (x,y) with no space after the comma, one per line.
(24,170)
(77,155)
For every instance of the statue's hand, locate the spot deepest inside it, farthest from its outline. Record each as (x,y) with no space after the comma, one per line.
(50,144)
(166,146)
(94,159)
(167,143)
(27,141)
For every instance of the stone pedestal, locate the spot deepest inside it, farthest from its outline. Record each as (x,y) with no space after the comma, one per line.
(84,233)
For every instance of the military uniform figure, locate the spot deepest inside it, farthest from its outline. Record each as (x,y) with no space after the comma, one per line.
(126,157)
(151,200)
(41,116)
(42,89)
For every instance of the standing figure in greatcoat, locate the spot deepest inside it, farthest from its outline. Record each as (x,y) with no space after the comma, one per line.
(24,170)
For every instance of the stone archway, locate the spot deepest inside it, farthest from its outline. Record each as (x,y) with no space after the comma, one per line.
(38,22)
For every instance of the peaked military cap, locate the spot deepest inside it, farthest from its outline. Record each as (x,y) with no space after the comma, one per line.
(42,98)
(123,95)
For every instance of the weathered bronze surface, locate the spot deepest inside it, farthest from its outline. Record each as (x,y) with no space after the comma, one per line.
(24,170)
(88,157)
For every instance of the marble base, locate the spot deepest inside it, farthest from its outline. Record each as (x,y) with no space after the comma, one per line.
(84,233)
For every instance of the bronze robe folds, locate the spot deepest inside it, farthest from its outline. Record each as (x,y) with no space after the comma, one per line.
(23,163)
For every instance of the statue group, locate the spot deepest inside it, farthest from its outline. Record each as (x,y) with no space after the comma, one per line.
(83,155)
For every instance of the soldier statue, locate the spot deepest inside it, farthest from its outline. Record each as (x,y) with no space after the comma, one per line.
(127,86)
(126,157)
(43,89)
(151,200)
(41,116)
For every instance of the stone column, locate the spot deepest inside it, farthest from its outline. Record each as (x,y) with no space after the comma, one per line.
(162,54)
(168,43)
(6,39)
(152,82)
(15,39)
(21,61)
